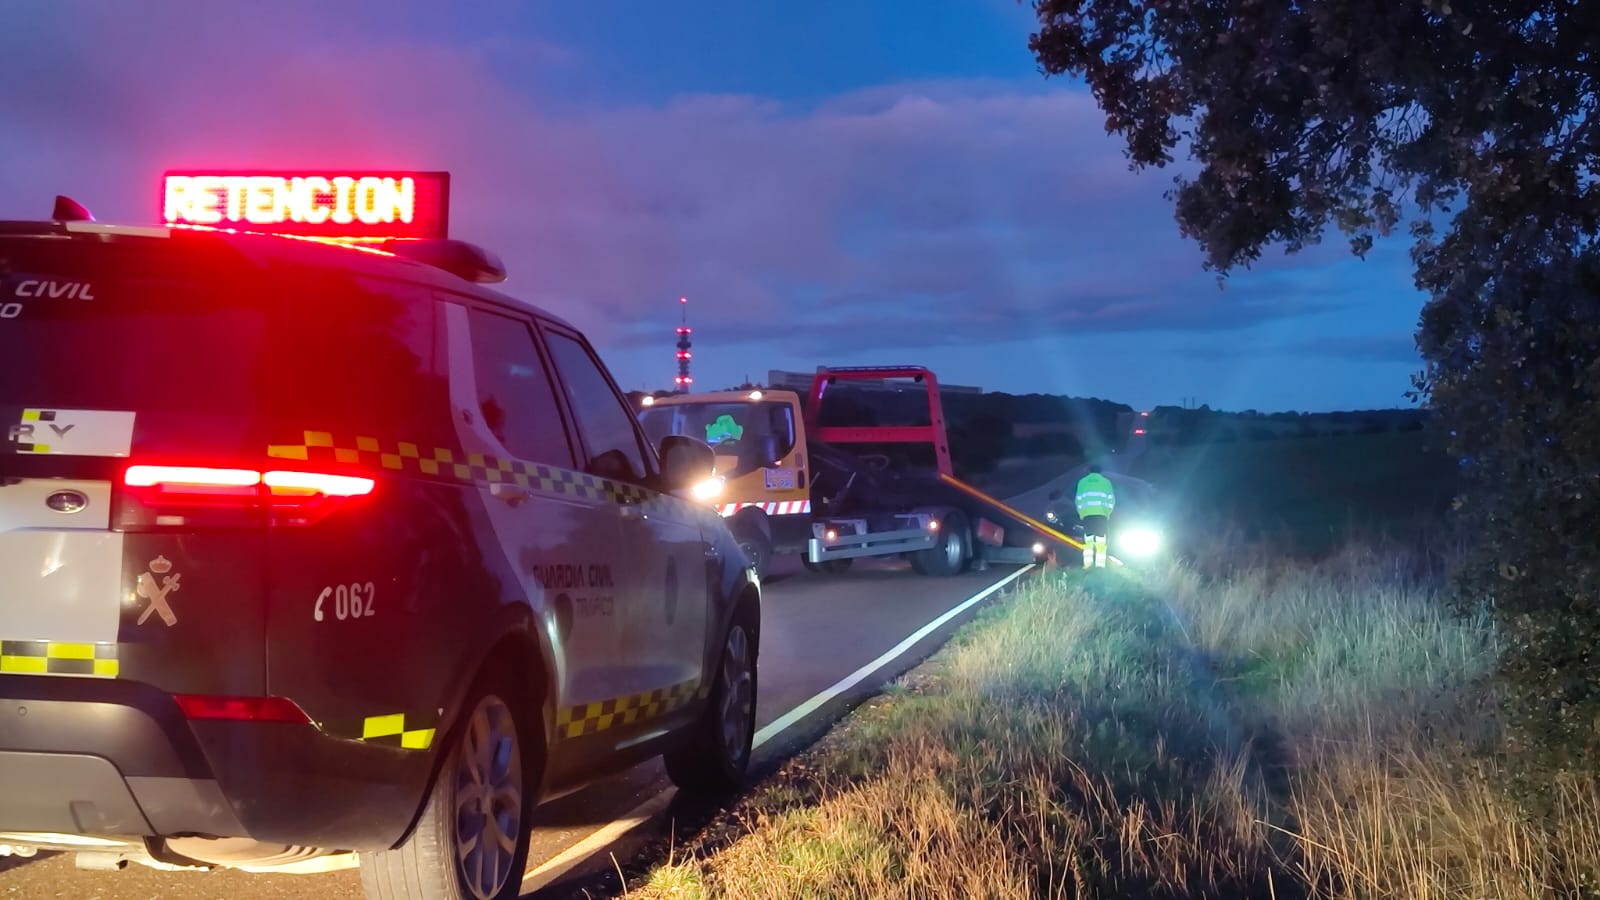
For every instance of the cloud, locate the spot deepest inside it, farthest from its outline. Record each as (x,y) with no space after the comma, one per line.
(1367,348)
(1377,348)
(902,216)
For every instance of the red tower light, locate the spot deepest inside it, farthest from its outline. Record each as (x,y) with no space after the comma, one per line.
(683,380)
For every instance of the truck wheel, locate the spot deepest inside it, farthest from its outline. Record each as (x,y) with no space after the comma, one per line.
(757,546)
(831,567)
(950,555)
(754,535)
(713,757)
(471,842)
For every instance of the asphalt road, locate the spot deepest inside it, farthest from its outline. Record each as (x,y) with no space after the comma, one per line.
(820,633)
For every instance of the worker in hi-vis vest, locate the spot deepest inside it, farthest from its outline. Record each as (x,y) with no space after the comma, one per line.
(1096,499)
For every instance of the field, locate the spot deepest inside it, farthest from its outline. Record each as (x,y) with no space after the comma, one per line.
(1284,732)
(1304,495)
(1251,724)
(1309,493)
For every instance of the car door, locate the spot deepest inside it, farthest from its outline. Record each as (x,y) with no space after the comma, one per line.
(557,540)
(662,559)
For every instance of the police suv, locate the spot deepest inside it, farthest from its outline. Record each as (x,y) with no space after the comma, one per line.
(312,548)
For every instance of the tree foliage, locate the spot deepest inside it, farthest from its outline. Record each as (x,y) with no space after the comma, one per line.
(1474,122)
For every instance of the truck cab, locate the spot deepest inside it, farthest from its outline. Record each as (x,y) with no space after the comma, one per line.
(763,488)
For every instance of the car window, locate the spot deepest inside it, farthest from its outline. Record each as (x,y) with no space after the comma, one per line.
(356,356)
(605,421)
(515,396)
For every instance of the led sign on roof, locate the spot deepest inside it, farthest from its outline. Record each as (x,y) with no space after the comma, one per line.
(335,204)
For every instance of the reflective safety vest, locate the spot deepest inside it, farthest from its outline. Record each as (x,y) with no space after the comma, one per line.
(1096,496)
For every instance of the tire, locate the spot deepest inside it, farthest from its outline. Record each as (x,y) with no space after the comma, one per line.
(431,865)
(951,555)
(831,567)
(756,545)
(713,757)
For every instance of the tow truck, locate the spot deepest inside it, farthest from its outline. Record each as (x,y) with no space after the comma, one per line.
(789,484)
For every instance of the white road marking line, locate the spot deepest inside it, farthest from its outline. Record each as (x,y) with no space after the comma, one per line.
(557,865)
(597,840)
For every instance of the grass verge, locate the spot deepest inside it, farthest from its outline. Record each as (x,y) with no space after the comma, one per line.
(1278,732)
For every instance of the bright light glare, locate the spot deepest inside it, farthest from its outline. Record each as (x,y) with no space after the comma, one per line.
(648,401)
(317,483)
(150,476)
(755,395)
(708,489)
(1140,542)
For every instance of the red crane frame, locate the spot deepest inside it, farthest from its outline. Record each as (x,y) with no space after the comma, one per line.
(932,433)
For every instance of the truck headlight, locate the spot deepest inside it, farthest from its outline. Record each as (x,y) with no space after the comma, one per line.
(1139,543)
(709,489)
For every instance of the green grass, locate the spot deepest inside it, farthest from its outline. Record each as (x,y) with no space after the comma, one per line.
(1285,731)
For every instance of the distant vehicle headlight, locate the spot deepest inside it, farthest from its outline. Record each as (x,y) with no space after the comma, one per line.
(709,489)
(1139,542)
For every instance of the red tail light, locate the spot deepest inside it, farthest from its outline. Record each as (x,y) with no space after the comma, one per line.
(210,497)
(242,709)
(297,484)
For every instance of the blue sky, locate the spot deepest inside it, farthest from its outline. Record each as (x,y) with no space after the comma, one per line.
(834,182)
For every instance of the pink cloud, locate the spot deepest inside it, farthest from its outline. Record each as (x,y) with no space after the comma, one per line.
(965,211)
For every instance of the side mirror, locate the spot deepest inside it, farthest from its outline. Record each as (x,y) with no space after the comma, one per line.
(685,462)
(769,449)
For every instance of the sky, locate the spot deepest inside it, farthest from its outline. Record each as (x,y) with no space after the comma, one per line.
(838,182)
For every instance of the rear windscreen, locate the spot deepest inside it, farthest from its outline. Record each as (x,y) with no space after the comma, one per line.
(136,324)
(216,356)
(170,331)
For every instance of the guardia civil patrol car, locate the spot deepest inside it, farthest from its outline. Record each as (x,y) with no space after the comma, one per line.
(311,549)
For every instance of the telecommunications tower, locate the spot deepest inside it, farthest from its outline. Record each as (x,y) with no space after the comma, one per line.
(684,380)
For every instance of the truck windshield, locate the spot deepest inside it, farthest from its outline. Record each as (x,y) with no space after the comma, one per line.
(757,433)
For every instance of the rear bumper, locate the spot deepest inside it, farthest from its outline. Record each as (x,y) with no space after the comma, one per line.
(117,758)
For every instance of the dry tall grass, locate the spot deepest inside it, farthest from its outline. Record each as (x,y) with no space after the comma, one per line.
(1381,703)
(1280,731)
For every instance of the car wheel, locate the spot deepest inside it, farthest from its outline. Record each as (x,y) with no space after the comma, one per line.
(471,842)
(713,758)
(950,555)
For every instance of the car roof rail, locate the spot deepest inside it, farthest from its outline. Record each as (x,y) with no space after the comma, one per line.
(468,261)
